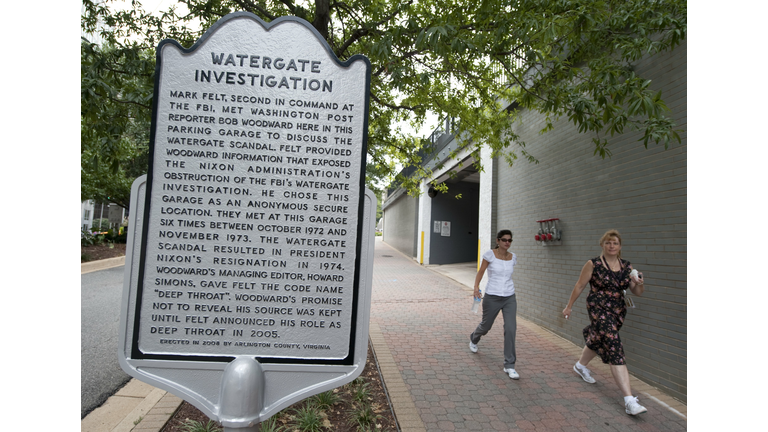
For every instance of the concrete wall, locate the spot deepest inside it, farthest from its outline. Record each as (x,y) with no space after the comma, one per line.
(641,192)
(400,222)
(461,246)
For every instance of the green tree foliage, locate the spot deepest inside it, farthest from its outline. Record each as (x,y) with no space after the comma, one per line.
(563,58)
(115,110)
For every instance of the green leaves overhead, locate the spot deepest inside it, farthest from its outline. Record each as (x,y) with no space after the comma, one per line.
(563,58)
(115,107)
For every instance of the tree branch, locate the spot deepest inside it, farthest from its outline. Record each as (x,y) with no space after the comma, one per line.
(395,107)
(322,17)
(365,29)
(356,35)
(295,10)
(122,72)
(252,7)
(405,56)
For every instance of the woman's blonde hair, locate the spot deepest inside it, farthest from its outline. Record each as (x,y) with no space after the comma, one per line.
(608,234)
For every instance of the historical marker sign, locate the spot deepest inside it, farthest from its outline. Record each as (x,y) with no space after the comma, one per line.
(253,216)
(254,197)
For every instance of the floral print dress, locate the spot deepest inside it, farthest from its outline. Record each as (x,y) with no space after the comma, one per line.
(606,309)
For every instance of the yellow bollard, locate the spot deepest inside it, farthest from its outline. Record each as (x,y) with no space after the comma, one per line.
(421,255)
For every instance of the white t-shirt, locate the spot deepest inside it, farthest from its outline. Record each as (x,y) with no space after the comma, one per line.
(499,275)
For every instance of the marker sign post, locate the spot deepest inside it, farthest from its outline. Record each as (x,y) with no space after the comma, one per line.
(251,244)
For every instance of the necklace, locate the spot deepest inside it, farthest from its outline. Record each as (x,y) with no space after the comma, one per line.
(610,267)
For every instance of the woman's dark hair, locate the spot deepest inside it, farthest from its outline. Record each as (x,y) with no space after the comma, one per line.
(502,233)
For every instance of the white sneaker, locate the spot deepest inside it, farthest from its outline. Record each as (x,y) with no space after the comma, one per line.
(584,373)
(634,408)
(472,347)
(512,373)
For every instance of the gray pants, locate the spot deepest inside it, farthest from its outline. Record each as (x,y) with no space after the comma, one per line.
(491,306)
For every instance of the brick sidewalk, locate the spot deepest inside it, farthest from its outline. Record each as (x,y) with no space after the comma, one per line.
(425,321)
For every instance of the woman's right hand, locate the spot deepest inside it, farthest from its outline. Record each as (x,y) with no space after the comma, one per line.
(586,274)
(477,292)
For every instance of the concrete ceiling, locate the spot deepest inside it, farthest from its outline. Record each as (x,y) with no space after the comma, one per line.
(465,172)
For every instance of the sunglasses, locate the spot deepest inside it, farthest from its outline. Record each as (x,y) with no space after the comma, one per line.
(505,240)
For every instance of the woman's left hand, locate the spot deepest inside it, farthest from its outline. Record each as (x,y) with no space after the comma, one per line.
(637,284)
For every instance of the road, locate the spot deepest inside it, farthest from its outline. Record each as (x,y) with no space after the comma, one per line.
(100,373)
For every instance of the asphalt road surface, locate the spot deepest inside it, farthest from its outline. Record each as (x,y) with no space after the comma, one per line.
(100,373)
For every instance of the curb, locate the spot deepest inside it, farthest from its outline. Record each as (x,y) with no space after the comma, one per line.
(135,407)
(406,413)
(92,266)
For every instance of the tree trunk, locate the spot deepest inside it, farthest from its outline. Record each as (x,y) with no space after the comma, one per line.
(322,17)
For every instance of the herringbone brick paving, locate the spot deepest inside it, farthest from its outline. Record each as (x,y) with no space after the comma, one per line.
(424,319)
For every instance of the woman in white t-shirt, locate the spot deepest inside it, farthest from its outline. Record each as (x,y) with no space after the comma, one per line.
(499,297)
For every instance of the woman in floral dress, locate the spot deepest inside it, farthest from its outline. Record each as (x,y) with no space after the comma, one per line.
(608,275)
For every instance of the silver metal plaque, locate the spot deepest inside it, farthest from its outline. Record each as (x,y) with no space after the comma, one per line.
(254,191)
(250,250)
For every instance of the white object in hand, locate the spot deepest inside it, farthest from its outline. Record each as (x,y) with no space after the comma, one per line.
(633,273)
(476,303)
